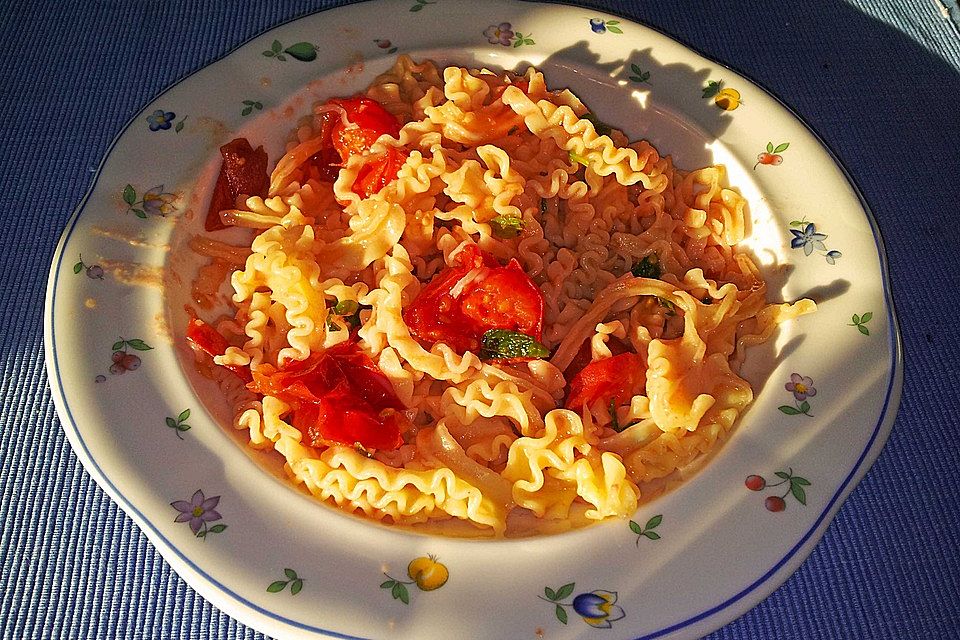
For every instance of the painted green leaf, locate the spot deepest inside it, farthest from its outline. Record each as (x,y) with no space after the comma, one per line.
(635,69)
(247,111)
(183,415)
(281,57)
(117,345)
(140,213)
(518,43)
(416,7)
(862,329)
(302,51)
(654,522)
(290,573)
(644,76)
(269,53)
(392,50)
(712,88)
(550,593)
(77,268)
(769,147)
(296,586)
(387,584)
(276,46)
(610,22)
(139,345)
(565,591)
(856,318)
(798,493)
(804,406)
(179,126)
(276,587)
(636,528)
(653,535)
(183,427)
(783,474)
(614,29)
(395,591)
(404,595)
(561,614)
(171,422)
(796,223)
(867,317)
(129,194)
(781,147)
(802,481)
(218,528)
(790,411)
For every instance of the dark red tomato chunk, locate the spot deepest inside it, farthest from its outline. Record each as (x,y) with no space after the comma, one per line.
(205,339)
(243,171)
(616,378)
(499,298)
(338,396)
(585,354)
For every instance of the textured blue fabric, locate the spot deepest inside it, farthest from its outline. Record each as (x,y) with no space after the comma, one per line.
(878,79)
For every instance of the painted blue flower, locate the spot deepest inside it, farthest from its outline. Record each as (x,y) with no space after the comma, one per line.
(160,119)
(159,203)
(832,256)
(598,608)
(598,25)
(809,239)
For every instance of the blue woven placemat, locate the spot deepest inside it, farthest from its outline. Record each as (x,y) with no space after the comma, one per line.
(878,79)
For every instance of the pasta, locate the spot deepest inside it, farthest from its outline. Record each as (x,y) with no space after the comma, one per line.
(613,303)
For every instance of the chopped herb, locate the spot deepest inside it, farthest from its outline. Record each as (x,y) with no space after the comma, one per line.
(602,128)
(331,325)
(543,207)
(346,307)
(614,423)
(578,159)
(512,131)
(505,226)
(649,267)
(666,304)
(501,343)
(707,300)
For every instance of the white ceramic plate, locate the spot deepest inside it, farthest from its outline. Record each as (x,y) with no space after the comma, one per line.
(285,564)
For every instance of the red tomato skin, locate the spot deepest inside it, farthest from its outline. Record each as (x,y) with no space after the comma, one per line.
(617,378)
(505,299)
(204,338)
(372,121)
(338,396)
(243,170)
(377,174)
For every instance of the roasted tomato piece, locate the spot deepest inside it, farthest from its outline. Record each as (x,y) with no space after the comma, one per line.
(338,396)
(243,171)
(458,314)
(616,378)
(585,354)
(371,120)
(378,173)
(205,339)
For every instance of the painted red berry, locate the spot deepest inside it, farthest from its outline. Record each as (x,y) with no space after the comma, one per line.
(130,362)
(777,159)
(118,355)
(755,483)
(775,503)
(117,368)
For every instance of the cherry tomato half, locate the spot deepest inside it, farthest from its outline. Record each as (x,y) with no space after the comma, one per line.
(618,378)
(337,396)
(205,339)
(501,298)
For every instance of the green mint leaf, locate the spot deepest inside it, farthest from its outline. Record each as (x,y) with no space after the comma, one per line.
(504,226)
(290,573)
(346,307)
(862,329)
(867,317)
(561,614)
(649,267)
(276,587)
(636,528)
(653,535)
(790,411)
(129,194)
(578,159)
(296,586)
(599,126)
(654,522)
(139,345)
(502,343)
(550,593)
(781,147)
(302,51)
(565,591)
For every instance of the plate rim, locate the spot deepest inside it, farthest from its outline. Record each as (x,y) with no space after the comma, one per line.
(239,607)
